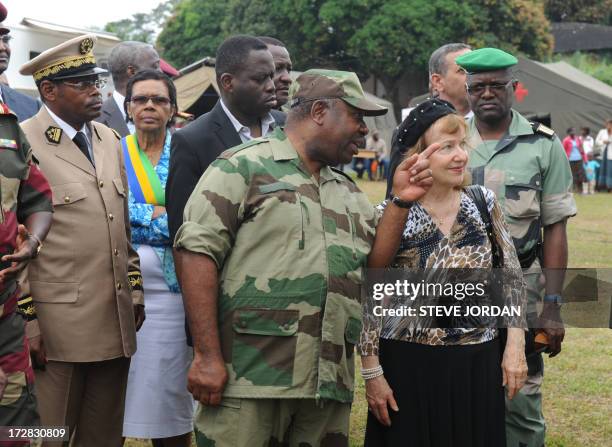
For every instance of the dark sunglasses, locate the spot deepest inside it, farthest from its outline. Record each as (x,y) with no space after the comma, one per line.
(157,100)
(6,39)
(495,87)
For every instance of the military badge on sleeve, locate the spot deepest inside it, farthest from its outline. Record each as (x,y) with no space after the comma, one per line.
(53,134)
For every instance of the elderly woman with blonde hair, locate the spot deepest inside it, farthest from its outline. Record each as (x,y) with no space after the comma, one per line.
(431,386)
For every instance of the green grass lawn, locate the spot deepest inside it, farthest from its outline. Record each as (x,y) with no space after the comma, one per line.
(578,383)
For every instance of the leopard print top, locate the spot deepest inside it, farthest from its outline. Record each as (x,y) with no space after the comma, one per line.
(423,247)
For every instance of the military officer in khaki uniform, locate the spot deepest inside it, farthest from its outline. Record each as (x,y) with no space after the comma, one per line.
(526,166)
(86,283)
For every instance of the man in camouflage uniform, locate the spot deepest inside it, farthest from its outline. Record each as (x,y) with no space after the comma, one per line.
(272,249)
(526,166)
(25,218)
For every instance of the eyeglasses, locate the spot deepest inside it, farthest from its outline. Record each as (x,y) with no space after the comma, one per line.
(143,100)
(85,84)
(6,39)
(479,89)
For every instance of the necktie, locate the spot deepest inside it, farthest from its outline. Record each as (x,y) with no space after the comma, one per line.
(81,141)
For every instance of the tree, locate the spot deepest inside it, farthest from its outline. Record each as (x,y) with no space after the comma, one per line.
(192,32)
(298,23)
(386,38)
(143,27)
(397,37)
(589,11)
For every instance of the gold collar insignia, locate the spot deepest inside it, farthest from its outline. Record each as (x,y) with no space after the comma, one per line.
(53,134)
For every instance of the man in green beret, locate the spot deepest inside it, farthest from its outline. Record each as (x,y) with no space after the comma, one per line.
(526,166)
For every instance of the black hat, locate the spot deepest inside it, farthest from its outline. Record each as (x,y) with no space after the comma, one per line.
(3,13)
(420,119)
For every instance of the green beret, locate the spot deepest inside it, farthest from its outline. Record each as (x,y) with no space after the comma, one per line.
(485,59)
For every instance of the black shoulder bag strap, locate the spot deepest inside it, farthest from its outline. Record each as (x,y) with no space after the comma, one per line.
(475,193)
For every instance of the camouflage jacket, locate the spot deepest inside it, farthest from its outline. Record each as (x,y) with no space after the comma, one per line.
(23,191)
(529,172)
(291,252)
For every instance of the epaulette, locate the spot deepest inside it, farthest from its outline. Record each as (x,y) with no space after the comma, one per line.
(542,129)
(25,306)
(116,133)
(233,150)
(339,171)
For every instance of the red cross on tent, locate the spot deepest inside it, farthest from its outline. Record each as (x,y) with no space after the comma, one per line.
(521,92)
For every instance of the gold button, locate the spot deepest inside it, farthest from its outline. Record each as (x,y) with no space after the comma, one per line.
(111,217)
(67,199)
(101,183)
(116,252)
(118,286)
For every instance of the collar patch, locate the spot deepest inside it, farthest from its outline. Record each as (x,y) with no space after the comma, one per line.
(53,134)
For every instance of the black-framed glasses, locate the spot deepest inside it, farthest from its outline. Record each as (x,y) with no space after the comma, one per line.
(85,84)
(141,100)
(494,87)
(6,39)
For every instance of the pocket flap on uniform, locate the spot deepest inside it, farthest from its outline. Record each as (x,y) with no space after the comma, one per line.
(119,186)
(277,186)
(522,199)
(68,193)
(353,330)
(276,322)
(54,292)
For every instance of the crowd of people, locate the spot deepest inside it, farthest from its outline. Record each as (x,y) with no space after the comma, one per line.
(159,283)
(590,159)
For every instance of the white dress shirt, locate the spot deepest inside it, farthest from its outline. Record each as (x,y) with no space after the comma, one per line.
(267,124)
(120,99)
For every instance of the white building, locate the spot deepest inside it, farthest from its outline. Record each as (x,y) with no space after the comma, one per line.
(31,37)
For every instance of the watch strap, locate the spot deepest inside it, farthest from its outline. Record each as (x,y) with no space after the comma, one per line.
(556,299)
(401,203)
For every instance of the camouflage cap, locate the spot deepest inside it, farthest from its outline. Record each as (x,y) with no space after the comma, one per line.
(332,84)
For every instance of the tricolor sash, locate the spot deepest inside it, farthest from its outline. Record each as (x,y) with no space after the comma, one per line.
(142,178)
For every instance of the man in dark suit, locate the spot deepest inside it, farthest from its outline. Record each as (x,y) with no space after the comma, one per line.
(22,105)
(125,60)
(245,71)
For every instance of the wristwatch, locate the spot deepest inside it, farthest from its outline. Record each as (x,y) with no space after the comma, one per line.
(556,299)
(401,203)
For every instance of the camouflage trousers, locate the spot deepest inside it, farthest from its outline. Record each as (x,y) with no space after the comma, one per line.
(525,424)
(18,403)
(273,422)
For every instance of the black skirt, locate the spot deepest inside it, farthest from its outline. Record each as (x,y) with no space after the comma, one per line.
(448,396)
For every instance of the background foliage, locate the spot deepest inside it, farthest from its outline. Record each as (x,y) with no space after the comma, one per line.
(388,39)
